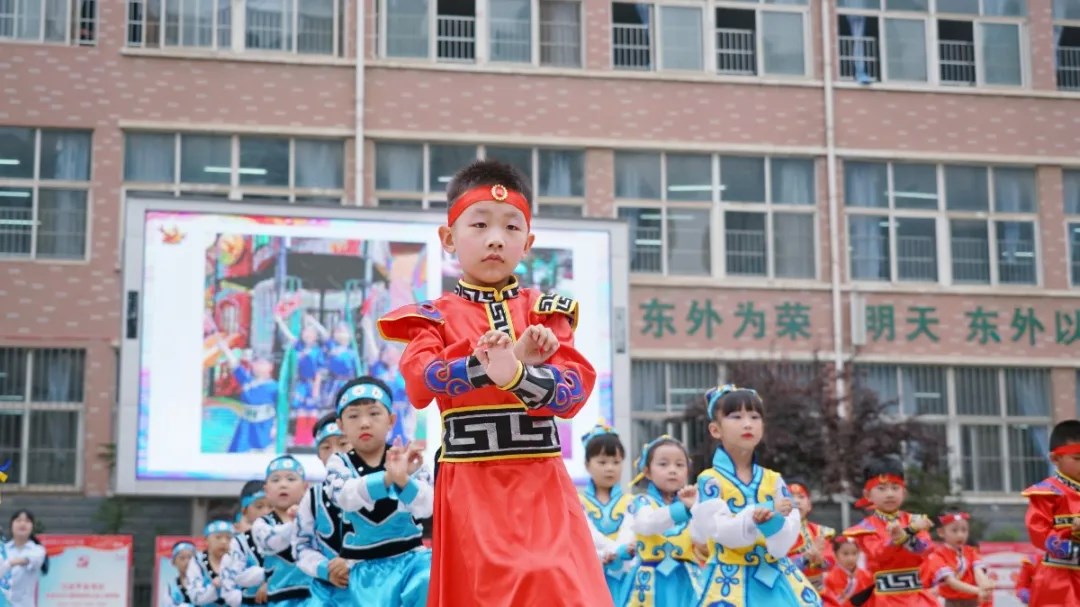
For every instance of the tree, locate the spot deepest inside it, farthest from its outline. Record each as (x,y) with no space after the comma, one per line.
(806,435)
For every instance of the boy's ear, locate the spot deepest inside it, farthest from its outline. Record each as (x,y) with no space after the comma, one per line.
(529,240)
(446,238)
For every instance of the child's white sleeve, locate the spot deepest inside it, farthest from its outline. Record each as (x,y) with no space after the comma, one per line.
(418,495)
(650,520)
(713,520)
(35,554)
(200,592)
(352,493)
(308,557)
(603,545)
(780,543)
(626,536)
(273,539)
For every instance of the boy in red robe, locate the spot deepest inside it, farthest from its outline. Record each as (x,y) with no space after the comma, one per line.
(499,360)
(955,567)
(1053,521)
(812,551)
(895,543)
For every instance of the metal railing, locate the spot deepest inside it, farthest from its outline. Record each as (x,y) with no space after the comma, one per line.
(916,257)
(745,252)
(859,59)
(631,46)
(456,39)
(1068,68)
(16,230)
(735,51)
(970,259)
(957,59)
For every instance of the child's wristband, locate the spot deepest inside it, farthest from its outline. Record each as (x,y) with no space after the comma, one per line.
(679,513)
(772,526)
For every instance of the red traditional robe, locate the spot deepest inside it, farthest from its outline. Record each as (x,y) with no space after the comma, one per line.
(508,528)
(841,584)
(896,568)
(1025,578)
(811,532)
(945,561)
(1053,505)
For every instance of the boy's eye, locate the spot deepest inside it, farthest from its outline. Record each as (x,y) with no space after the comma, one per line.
(480,225)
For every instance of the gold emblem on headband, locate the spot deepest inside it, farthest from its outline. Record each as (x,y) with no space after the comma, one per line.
(499,193)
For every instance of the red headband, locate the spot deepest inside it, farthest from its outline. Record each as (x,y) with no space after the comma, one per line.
(798,488)
(845,539)
(881,479)
(486,193)
(863,504)
(954,517)
(1070,449)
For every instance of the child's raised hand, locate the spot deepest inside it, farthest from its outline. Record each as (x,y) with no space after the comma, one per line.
(688,496)
(536,345)
(897,533)
(784,506)
(762,514)
(499,363)
(414,457)
(493,339)
(291,512)
(921,522)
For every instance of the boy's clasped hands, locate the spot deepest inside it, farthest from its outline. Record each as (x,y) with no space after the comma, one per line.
(500,355)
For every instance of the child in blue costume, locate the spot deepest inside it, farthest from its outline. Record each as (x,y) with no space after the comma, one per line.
(183,555)
(666,572)
(746,514)
(319,527)
(259,393)
(607,508)
(310,368)
(342,362)
(287,585)
(207,587)
(243,569)
(382,492)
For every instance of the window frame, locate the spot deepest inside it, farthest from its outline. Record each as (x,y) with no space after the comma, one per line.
(481,39)
(28,406)
(1062,22)
(72,26)
(1072,226)
(944,217)
(235,190)
(680,429)
(930,19)
(436,200)
(955,422)
(35,184)
(718,209)
(238,31)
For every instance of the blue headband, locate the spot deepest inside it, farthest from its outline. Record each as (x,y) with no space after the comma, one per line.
(640,463)
(218,527)
(285,463)
(182,546)
(714,395)
(599,429)
(327,431)
(248,500)
(364,392)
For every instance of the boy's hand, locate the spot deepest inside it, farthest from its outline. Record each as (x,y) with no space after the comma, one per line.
(1076,526)
(493,339)
(897,533)
(762,514)
(414,456)
(784,506)
(396,466)
(262,595)
(688,496)
(291,512)
(536,345)
(500,364)
(338,568)
(920,522)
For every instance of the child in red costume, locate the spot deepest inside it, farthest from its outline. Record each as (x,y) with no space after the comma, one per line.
(846,579)
(895,543)
(955,567)
(508,528)
(813,550)
(1053,522)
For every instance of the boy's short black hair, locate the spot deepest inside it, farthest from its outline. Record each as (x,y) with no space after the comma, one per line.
(251,488)
(488,172)
(365,379)
(1064,433)
(604,444)
(324,421)
(889,465)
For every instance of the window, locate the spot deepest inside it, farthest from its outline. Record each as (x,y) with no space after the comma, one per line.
(415,175)
(898,223)
(41,403)
(446,30)
(767,219)
(676,43)
(995,420)
(761,40)
(1071,179)
(978,41)
(266,168)
(308,27)
(44,190)
(59,21)
(661,391)
(1067,44)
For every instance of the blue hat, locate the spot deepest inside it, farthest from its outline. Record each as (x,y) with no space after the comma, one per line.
(287,463)
(364,392)
(645,449)
(599,429)
(327,431)
(217,527)
(182,546)
(714,395)
(248,500)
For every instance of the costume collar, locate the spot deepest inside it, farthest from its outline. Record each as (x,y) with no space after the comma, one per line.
(723,462)
(654,491)
(616,491)
(480,294)
(888,517)
(1068,482)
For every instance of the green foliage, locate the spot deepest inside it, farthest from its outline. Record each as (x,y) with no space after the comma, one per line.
(113,514)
